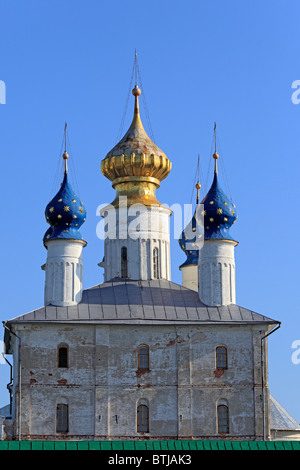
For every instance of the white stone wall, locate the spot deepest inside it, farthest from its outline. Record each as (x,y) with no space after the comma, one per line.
(103,386)
(190,277)
(285,435)
(63,272)
(216,273)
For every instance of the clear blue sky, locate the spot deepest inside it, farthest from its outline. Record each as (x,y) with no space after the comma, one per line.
(231,62)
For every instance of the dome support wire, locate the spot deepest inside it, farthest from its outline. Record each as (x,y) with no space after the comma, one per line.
(223,167)
(72,161)
(214,145)
(209,165)
(57,173)
(198,178)
(137,76)
(144,101)
(58,176)
(126,105)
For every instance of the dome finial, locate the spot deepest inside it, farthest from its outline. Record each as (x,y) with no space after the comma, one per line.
(198,187)
(215,155)
(65,155)
(135,66)
(136,93)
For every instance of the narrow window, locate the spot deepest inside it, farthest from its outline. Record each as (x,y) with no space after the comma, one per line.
(221,357)
(223,422)
(142,418)
(62,356)
(124,262)
(62,418)
(155,263)
(143,357)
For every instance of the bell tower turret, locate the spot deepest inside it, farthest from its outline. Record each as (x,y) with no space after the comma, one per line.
(216,264)
(64,267)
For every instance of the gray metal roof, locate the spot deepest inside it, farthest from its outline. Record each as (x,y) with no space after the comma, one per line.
(142,302)
(280,419)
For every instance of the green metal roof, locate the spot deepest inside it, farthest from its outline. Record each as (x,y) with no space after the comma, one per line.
(150,445)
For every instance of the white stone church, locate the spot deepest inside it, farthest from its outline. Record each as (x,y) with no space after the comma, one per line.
(138,356)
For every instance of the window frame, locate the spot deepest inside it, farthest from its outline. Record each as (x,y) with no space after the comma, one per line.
(64,417)
(220,418)
(221,358)
(146,355)
(141,409)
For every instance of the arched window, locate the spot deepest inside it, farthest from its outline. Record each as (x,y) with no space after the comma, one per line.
(62,418)
(124,262)
(143,357)
(221,357)
(155,263)
(62,356)
(223,419)
(142,418)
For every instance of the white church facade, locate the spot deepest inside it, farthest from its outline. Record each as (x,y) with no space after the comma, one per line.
(138,356)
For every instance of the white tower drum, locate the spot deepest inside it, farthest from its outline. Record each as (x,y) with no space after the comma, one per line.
(217,273)
(140,246)
(64,272)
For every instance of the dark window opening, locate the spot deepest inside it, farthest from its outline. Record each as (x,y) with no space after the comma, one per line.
(63,356)
(155,263)
(124,272)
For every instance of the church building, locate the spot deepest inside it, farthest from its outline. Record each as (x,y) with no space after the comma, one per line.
(139,356)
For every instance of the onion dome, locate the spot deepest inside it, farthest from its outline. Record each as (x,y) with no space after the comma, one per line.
(135,165)
(189,237)
(219,211)
(65,212)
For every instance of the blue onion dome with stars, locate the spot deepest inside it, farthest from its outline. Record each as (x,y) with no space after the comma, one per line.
(219,212)
(189,236)
(65,213)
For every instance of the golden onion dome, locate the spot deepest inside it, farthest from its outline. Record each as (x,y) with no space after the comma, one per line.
(135,165)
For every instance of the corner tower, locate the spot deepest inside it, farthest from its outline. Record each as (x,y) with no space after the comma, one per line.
(216,264)
(188,243)
(137,245)
(64,243)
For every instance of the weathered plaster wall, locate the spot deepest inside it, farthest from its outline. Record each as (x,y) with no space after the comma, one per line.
(102,385)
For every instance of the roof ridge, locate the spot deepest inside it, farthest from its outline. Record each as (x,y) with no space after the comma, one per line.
(169,301)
